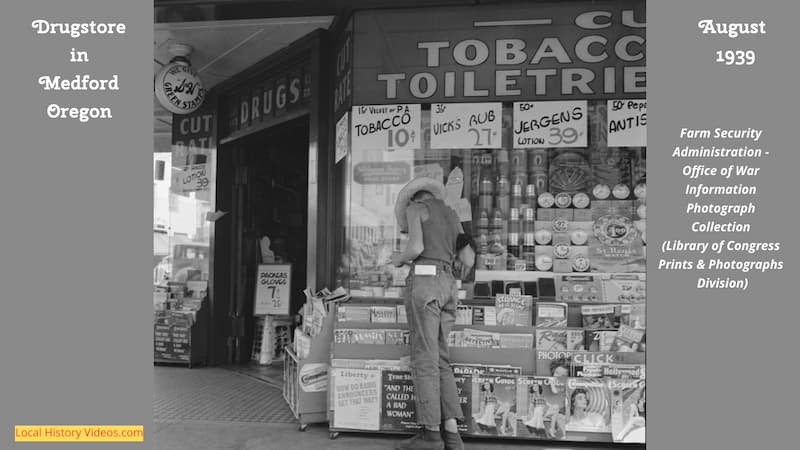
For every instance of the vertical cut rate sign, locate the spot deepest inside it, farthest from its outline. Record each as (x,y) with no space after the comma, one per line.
(273,289)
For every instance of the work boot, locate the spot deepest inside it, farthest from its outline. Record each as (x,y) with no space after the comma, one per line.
(452,441)
(424,440)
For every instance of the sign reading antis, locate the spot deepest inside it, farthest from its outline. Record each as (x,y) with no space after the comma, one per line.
(581,50)
(627,123)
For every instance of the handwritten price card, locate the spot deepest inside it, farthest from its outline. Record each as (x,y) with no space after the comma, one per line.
(466,125)
(273,289)
(627,123)
(191,178)
(549,124)
(386,127)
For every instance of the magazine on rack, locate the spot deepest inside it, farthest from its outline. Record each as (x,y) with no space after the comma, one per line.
(627,339)
(588,406)
(514,310)
(598,316)
(541,410)
(494,405)
(559,339)
(463,374)
(627,410)
(551,315)
(398,411)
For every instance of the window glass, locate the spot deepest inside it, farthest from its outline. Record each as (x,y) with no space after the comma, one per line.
(499,196)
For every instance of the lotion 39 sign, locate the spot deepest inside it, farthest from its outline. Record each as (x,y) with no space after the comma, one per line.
(273,289)
(386,127)
(466,125)
(550,124)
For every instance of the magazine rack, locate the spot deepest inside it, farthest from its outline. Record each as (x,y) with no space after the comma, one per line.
(305,380)
(525,358)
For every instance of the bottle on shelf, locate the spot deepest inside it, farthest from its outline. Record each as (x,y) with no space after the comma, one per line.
(516,196)
(514,231)
(528,238)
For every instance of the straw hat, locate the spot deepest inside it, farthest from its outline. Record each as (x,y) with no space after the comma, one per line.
(404,197)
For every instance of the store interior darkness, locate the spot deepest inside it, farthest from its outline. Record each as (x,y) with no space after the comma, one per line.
(268,196)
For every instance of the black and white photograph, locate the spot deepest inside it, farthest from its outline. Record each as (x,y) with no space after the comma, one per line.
(332,180)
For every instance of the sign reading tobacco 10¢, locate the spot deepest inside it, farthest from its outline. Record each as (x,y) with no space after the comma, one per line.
(386,127)
(179,88)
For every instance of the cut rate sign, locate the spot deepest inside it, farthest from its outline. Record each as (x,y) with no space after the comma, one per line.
(386,127)
(273,289)
(550,124)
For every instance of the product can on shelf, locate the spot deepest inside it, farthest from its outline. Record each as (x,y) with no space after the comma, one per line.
(537,160)
(516,195)
(520,178)
(540,180)
(519,161)
(485,202)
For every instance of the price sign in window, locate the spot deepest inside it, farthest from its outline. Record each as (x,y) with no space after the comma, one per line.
(386,127)
(466,125)
(273,289)
(550,124)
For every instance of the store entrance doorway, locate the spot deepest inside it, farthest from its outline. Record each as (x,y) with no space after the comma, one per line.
(268,197)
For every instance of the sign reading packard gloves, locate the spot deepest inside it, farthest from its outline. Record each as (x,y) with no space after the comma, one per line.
(583,50)
(179,88)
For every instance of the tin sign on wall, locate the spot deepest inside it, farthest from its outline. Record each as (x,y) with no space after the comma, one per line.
(466,125)
(386,127)
(550,124)
(627,123)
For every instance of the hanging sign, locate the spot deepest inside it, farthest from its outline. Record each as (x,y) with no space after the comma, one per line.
(191,178)
(386,127)
(342,137)
(273,289)
(466,125)
(179,88)
(627,123)
(549,124)
(523,51)
(382,172)
(356,398)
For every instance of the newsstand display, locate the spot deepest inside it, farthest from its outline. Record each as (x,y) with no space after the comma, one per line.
(180,328)
(538,132)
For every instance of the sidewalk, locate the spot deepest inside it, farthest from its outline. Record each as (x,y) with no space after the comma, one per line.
(221,409)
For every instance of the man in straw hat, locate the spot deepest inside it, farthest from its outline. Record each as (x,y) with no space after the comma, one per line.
(431,299)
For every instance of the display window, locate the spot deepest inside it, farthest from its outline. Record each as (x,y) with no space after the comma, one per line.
(541,192)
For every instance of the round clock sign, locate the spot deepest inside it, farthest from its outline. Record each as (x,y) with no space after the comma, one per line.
(179,88)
